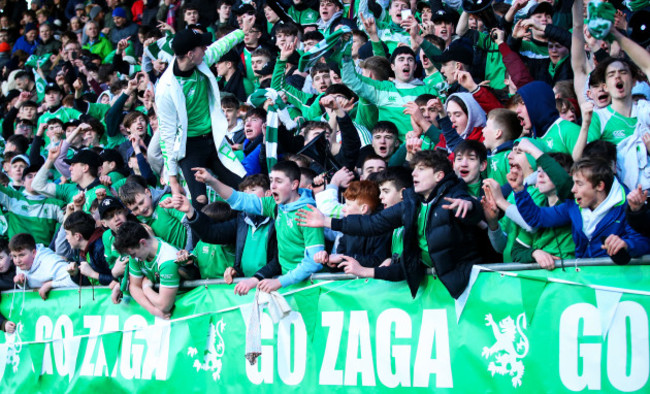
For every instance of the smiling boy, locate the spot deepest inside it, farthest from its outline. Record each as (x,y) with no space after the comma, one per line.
(597,215)
(297,245)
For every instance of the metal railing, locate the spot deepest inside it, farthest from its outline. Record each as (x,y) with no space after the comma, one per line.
(566,264)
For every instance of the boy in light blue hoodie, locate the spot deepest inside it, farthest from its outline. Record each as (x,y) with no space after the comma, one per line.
(297,245)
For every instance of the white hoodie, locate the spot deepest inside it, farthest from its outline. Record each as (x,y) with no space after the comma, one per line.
(47,266)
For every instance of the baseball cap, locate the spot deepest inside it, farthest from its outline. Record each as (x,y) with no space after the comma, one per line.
(456,51)
(188,39)
(119,11)
(231,56)
(441,16)
(108,204)
(244,9)
(31,169)
(85,156)
(22,158)
(112,155)
(52,86)
(540,8)
(79,7)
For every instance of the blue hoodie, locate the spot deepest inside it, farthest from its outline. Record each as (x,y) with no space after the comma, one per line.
(539,99)
(587,236)
(558,134)
(296,245)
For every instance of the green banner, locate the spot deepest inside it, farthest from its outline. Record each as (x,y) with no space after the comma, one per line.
(530,331)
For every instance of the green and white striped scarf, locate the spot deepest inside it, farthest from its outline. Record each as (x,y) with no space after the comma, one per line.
(271,139)
(161,49)
(332,43)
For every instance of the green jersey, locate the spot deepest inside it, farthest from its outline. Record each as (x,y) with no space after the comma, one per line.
(423,217)
(495,69)
(36,215)
(296,96)
(161,270)
(195,90)
(498,166)
(389,97)
(397,242)
(66,192)
(308,16)
(167,224)
(511,228)
(292,239)
(254,254)
(213,259)
(609,125)
(562,136)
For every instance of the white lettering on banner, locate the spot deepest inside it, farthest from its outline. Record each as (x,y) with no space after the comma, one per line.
(64,346)
(581,351)
(359,358)
(328,372)
(632,315)
(434,328)
(575,357)
(359,340)
(401,353)
(294,319)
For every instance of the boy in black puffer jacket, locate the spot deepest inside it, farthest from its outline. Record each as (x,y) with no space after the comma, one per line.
(438,215)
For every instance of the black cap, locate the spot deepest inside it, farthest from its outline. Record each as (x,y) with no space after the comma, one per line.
(86,156)
(441,16)
(640,27)
(109,203)
(244,9)
(52,86)
(473,6)
(112,155)
(30,169)
(540,8)
(457,51)
(188,39)
(231,56)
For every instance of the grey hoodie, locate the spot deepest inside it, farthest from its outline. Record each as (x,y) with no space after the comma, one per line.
(47,266)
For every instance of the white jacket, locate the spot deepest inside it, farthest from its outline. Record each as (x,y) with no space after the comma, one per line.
(631,153)
(47,266)
(172,113)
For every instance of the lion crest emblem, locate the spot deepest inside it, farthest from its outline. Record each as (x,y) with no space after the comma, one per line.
(508,352)
(213,353)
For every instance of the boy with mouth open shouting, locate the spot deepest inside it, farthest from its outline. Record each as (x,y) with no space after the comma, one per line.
(597,215)
(437,214)
(297,245)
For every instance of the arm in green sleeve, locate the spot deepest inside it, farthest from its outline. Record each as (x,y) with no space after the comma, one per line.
(522,254)
(431,51)
(222,46)
(378,49)
(364,88)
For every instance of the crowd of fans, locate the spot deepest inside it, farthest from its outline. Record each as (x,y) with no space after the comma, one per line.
(150,142)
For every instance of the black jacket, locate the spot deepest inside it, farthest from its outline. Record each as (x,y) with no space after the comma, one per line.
(451,242)
(369,251)
(639,220)
(234,231)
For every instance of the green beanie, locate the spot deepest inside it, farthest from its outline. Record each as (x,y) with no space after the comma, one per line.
(600,19)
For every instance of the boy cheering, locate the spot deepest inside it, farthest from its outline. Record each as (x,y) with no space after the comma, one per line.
(296,245)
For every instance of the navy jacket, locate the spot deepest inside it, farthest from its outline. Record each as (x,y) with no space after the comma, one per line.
(568,213)
(451,242)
